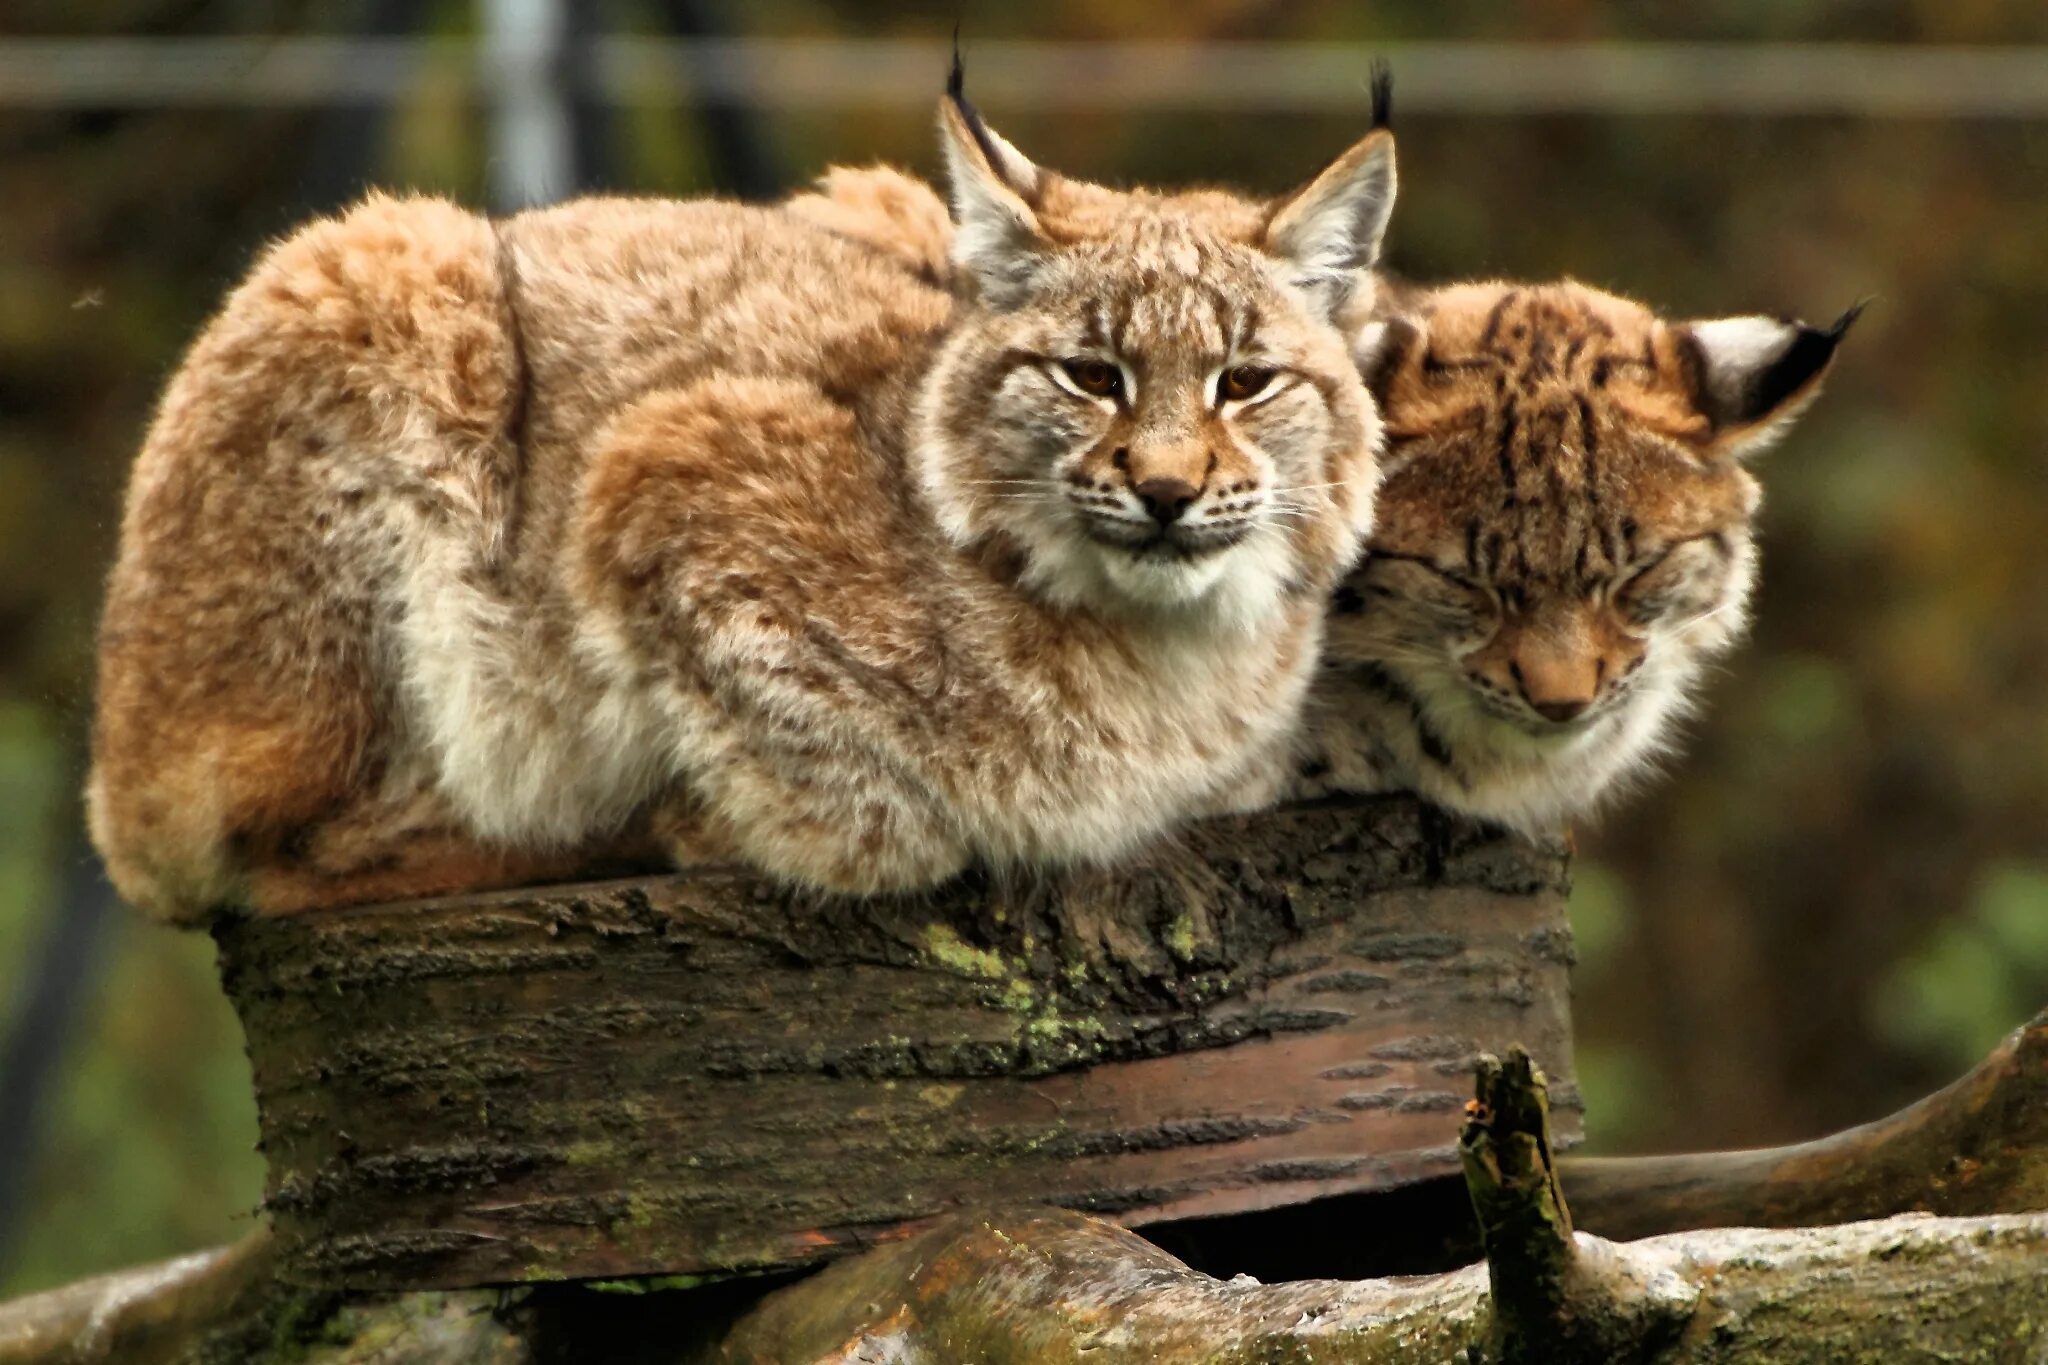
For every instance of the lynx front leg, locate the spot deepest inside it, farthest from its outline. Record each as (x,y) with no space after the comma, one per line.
(744,554)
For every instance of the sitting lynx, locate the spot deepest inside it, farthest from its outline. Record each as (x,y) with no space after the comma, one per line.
(465,553)
(1563,540)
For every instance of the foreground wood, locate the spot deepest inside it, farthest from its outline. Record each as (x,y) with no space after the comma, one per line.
(702,1073)
(1979,1146)
(1028,1285)
(1046,1288)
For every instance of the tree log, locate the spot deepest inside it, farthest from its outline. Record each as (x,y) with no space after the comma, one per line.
(1054,1287)
(702,1073)
(1979,1146)
(1031,1285)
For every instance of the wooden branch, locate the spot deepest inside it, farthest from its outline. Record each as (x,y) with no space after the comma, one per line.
(1979,1146)
(154,1315)
(1052,1287)
(1048,1285)
(701,1073)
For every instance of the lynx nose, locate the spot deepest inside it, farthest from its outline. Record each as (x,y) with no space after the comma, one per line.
(1557,687)
(1166,497)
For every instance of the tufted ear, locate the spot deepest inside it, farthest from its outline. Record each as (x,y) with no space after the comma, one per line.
(1335,224)
(1751,377)
(994,186)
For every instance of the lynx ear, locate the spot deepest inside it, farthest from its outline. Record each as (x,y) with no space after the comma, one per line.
(994,186)
(1751,377)
(1334,225)
(1382,348)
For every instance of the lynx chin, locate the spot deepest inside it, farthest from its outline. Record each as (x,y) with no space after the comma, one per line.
(465,553)
(1563,541)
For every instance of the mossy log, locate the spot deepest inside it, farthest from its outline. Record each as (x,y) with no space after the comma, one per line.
(701,1073)
(1035,1285)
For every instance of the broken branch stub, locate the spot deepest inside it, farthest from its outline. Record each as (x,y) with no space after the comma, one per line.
(1554,1298)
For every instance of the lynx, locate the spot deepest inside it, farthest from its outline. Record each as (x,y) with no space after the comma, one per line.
(1564,536)
(465,553)
(1565,540)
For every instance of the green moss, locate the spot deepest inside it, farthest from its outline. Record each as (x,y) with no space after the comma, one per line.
(591,1152)
(651,1284)
(641,1211)
(949,950)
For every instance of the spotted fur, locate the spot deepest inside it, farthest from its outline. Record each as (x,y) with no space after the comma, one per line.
(464,553)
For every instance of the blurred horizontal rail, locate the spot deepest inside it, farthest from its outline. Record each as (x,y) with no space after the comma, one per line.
(1466,78)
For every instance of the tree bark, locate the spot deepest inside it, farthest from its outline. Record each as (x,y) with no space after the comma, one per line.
(1054,1287)
(1050,1285)
(1979,1146)
(702,1074)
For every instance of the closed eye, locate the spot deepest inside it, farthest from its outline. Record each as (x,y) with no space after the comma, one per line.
(1685,575)
(1449,575)
(1437,588)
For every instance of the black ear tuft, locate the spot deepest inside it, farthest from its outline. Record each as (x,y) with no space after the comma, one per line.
(1854,311)
(956,90)
(1382,94)
(1808,354)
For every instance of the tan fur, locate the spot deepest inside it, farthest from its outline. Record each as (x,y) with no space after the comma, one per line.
(465,553)
(883,208)
(1484,652)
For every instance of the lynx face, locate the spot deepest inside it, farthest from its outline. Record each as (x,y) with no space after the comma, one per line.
(1564,533)
(1147,399)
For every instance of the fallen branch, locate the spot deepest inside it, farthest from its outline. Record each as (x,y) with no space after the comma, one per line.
(1979,1146)
(1046,1285)
(1053,1287)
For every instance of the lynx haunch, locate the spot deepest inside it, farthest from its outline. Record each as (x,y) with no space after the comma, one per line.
(463,553)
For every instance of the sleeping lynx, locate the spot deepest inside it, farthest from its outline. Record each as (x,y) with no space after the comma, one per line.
(1564,542)
(465,553)
(1563,537)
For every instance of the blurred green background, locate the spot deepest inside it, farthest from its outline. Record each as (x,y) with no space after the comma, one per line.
(1835,905)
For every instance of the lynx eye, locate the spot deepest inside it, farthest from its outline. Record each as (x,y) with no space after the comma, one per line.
(1684,580)
(1243,381)
(1096,378)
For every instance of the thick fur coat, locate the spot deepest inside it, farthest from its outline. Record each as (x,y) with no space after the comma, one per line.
(465,553)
